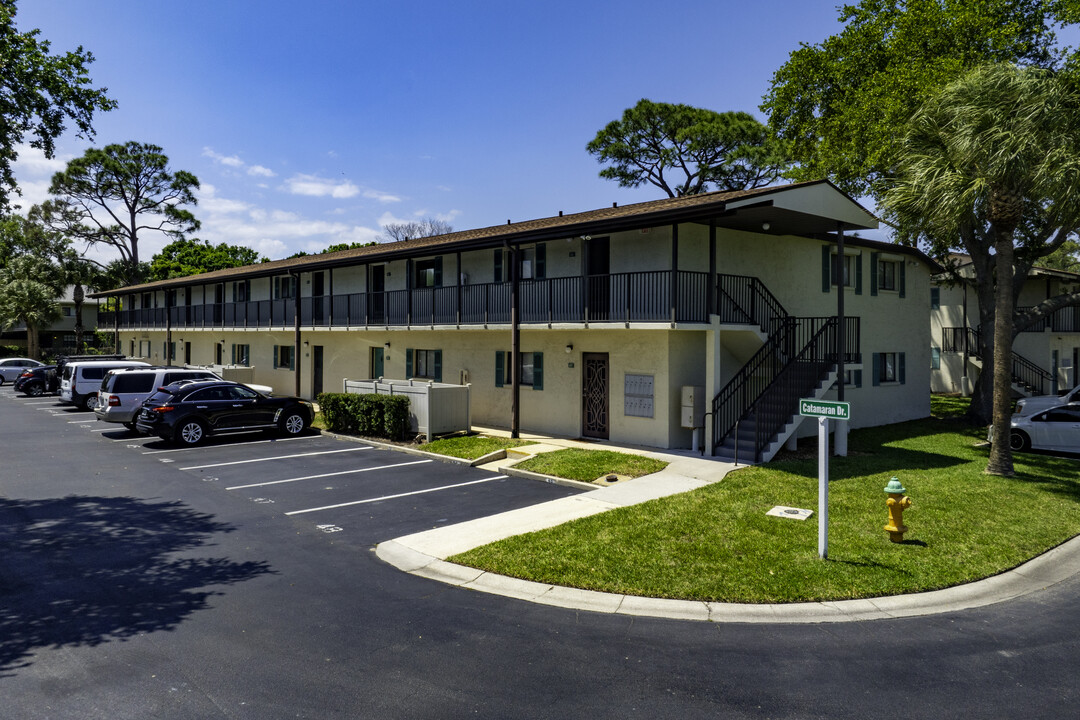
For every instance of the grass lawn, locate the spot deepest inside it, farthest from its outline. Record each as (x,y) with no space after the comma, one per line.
(471,447)
(717,543)
(588,465)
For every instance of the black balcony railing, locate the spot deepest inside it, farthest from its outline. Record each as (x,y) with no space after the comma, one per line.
(1024,372)
(618,298)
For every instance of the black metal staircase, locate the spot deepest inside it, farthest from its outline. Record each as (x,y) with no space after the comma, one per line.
(1025,374)
(794,362)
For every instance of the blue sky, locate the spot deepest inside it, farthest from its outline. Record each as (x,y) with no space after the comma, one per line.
(318,122)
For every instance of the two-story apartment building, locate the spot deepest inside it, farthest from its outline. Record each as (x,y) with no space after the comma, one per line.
(588,324)
(1046,356)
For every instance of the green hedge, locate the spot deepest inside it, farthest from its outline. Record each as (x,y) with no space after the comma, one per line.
(368,414)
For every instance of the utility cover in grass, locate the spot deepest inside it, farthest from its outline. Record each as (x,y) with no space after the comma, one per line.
(790,513)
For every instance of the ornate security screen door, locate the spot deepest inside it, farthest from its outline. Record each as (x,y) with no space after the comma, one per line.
(594,390)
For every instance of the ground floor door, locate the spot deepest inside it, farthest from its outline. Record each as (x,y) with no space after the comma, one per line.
(316,370)
(376,362)
(594,395)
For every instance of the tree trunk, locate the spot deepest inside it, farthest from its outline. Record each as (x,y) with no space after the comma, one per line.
(32,342)
(78,296)
(1001,462)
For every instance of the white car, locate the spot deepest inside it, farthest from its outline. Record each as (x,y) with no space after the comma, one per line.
(1032,405)
(1056,429)
(11,368)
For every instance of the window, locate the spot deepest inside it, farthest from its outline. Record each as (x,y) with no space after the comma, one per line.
(888,367)
(241,291)
(424,364)
(935,358)
(886,275)
(845,264)
(531,367)
(170,351)
(887,371)
(428,273)
(853,378)
(284,287)
(144,348)
(532,263)
(935,298)
(69,311)
(241,355)
(284,357)
(69,338)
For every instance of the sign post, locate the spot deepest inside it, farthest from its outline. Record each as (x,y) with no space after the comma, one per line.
(823,410)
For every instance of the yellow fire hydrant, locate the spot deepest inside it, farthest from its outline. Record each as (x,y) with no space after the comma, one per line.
(897,503)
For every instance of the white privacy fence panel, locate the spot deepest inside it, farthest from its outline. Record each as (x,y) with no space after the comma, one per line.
(434,408)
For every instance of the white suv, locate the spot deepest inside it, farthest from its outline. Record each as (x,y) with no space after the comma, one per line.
(80,381)
(123,391)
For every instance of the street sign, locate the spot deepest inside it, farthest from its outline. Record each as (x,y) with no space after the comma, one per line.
(825,409)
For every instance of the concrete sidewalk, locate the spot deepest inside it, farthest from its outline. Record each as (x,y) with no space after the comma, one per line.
(425,554)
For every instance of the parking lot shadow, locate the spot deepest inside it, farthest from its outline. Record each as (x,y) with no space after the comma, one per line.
(83,570)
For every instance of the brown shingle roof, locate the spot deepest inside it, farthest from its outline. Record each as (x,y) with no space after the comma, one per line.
(559,226)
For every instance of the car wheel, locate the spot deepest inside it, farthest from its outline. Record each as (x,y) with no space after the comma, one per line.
(190,432)
(89,402)
(1,379)
(293,423)
(131,426)
(33,390)
(1019,440)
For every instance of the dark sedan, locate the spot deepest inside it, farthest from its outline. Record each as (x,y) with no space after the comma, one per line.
(188,412)
(37,381)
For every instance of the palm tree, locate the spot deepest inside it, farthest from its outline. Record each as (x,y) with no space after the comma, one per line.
(997,141)
(29,286)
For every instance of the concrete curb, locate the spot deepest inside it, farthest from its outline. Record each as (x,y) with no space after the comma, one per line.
(1044,571)
(490,457)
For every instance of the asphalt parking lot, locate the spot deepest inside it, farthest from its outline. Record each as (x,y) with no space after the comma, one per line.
(360,493)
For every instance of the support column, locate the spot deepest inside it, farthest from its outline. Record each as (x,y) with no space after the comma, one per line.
(296,334)
(841,431)
(515,347)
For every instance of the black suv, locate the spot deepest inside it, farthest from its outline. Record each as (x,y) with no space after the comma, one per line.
(37,381)
(187,412)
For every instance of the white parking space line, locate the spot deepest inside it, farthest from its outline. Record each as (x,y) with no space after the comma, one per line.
(399,495)
(316,477)
(40,402)
(72,422)
(279,457)
(249,442)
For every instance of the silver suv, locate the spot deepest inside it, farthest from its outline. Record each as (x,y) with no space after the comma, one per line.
(123,391)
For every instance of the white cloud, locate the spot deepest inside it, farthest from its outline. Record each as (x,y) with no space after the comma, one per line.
(381,196)
(314,186)
(227,160)
(260,171)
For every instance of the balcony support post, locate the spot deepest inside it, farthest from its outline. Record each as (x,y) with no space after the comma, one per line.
(841,427)
(674,286)
(296,333)
(710,287)
(515,345)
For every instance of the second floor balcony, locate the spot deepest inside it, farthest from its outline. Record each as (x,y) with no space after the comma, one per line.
(661,296)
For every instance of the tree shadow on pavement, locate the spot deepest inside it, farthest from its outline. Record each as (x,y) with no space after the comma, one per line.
(86,570)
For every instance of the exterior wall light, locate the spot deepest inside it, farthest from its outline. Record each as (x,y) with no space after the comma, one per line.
(569,349)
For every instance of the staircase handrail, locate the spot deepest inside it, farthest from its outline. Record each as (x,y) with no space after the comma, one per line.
(749,296)
(754,378)
(1024,371)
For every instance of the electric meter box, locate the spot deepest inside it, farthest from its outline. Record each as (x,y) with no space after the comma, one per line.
(692,406)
